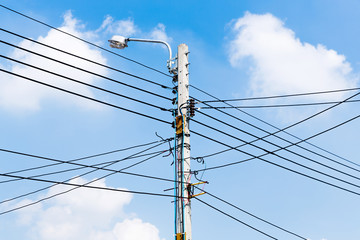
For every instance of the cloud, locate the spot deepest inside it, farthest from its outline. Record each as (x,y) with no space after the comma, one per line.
(124,28)
(281,63)
(18,95)
(159,33)
(85,214)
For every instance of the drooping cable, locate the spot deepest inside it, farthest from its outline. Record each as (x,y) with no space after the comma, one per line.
(85,59)
(86,97)
(83,40)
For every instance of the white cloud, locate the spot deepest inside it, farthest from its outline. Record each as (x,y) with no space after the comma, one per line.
(125,27)
(281,63)
(17,94)
(85,214)
(159,33)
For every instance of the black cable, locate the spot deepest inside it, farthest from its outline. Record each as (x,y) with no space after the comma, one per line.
(234,218)
(250,214)
(289,160)
(56,183)
(86,59)
(74,169)
(269,142)
(282,96)
(77,186)
(94,167)
(86,97)
(297,143)
(84,70)
(86,84)
(277,128)
(275,164)
(281,105)
(78,38)
(274,134)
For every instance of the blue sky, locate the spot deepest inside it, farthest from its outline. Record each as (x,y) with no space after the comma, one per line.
(237,49)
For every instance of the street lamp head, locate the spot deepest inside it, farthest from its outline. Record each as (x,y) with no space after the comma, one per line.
(119,42)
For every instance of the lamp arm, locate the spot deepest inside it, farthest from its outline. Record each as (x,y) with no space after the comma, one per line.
(152,41)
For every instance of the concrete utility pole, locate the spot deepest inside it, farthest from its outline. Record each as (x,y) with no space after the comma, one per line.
(183,205)
(182,163)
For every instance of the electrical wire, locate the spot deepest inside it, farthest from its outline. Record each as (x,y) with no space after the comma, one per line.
(313,136)
(94,167)
(277,128)
(274,133)
(83,40)
(234,218)
(275,164)
(269,142)
(74,169)
(84,70)
(86,84)
(77,186)
(86,184)
(289,160)
(250,214)
(282,105)
(281,96)
(85,59)
(86,97)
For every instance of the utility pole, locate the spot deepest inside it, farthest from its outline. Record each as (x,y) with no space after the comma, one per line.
(183,186)
(183,204)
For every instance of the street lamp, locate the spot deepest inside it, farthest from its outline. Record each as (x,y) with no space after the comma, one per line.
(121,42)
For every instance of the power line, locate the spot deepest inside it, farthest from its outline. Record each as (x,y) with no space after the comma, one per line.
(73,169)
(86,59)
(234,218)
(83,40)
(281,105)
(250,214)
(56,183)
(86,97)
(275,164)
(74,185)
(281,96)
(297,143)
(95,166)
(287,159)
(86,84)
(280,130)
(84,70)
(277,128)
(269,142)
